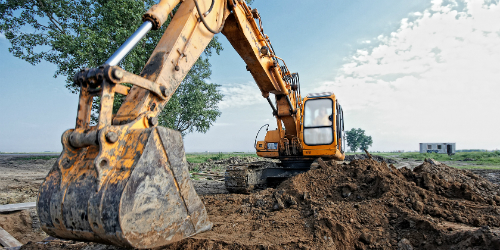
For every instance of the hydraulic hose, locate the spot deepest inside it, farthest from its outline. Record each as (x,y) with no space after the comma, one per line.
(210,9)
(203,19)
(255,142)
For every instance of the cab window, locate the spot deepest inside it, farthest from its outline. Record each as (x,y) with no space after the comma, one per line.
(318,122)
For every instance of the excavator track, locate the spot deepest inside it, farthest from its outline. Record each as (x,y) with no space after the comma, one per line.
(244,178)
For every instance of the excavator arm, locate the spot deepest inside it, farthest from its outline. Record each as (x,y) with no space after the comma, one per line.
(248,39)
(125,181)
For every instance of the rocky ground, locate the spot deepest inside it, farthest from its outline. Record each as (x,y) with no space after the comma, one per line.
(361,204)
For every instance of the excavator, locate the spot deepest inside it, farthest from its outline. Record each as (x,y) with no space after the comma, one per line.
(124,180)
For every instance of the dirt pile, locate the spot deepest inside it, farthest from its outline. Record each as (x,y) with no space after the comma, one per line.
(453,183)
(364,157)
(22,225)
(365,204)
(492,175)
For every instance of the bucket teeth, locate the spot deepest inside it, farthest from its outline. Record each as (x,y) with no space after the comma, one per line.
(139,196)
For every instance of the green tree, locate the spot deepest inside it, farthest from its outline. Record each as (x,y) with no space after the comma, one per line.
(356,138)
(366,142)
(74,34)
(187,110)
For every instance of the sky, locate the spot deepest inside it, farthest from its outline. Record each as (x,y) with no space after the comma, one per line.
(404,71)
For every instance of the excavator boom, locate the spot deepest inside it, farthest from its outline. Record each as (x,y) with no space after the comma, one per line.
(124,181)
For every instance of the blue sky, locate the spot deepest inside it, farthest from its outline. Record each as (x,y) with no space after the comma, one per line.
(405,71)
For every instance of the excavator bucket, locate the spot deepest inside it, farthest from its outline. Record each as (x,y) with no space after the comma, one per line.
(132,189)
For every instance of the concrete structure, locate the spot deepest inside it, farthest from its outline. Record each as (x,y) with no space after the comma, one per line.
(440,148)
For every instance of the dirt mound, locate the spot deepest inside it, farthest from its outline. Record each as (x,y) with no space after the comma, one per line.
(492,175)
(365,204)
(22,225)
(364,157)
(453,183)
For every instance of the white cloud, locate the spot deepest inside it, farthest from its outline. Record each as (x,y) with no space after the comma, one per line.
(237,95)
(222,124)
(244,111)
(436,78)
(2,36)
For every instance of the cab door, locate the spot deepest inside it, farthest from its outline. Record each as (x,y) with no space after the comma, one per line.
(318,122)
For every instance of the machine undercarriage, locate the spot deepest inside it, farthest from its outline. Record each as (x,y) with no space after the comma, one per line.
(243,178)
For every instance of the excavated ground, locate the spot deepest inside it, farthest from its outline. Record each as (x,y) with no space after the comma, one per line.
(364,204)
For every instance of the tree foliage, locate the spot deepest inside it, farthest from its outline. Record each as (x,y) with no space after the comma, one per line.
(75,34)
(356,139)
(187,110)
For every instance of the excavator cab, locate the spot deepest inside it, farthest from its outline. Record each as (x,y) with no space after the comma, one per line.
(318,122)
(323,126)
(321,132)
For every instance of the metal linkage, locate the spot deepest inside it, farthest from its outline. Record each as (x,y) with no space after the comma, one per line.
(94,78)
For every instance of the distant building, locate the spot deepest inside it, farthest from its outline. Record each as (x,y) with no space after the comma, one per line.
(440,148)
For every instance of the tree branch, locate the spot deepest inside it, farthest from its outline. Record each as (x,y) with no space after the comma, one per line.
(49,14)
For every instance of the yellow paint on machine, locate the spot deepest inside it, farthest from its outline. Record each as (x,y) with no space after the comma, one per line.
(125,180)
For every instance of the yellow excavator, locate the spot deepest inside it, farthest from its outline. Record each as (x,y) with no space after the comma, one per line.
(125,181)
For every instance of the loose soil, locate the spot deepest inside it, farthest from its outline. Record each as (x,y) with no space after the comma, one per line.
(21,177)
(22,225)
(374,157)
(364,204)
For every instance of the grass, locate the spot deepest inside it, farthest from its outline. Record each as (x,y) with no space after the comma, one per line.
(217,168)
(476,167)
(203,157)
(386,154)
(478,160)
(195,169)
(195,177)
(484,160)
